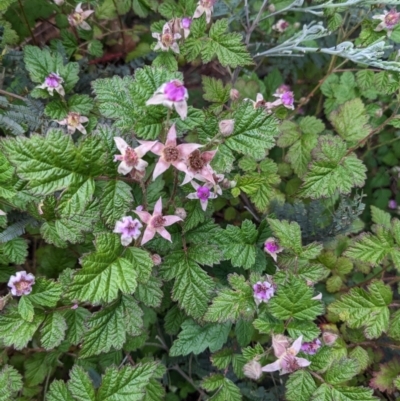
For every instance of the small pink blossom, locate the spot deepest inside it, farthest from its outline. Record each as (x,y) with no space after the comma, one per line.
(252,370)
(286,99)
(156,259)
(234,94)
(311,347)
(389,20)
(282,89)
(281,26)
(197,165)
(129,228)
(392,204)
(170,153)
(53,82)
(77,18)
(287,361)
(203,194)
(186,22)
(131,159)
(172,95)
(167,39)
(271,246)
(259,102)
(263,291)
(21,283)
(156,223)
(226,127)
(180,212)
(74,121)
(205,7)
(329,338)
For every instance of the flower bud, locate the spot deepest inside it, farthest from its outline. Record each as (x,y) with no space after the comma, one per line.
(180,212)
(392,204)
(253,370)
(329,338)
(156,259)
(59,2)
(226,127)
(297,25)
(234,94)
(271,8)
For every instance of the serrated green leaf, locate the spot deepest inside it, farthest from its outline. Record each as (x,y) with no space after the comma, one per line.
(267,324)
(300,386)
(223,358)
(359,308)
(10,383)
(80,385)
(173,320)
(150,293)
(15,250)
(225,388)
(76,324)
(53,330)
(341,371)
(45,293)
(195,338)
(58,391)
(342,393)
(82,104)
(309,330)
(360,355)
(25,309)
(215,91)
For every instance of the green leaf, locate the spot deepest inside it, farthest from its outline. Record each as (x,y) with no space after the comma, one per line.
(333,170)
(109,327)
(76,324)
(342,393)
(223,387)
(380,217)
(293,300)
(244,332)
(195,338)
(166,60)
(359,308)
(115,201)
(341,371)
(223,358)
(25,309)
(10,383)
(80,385)
(104,272)
(126,384)
(309,330)
(383,380)
(365,79)
(351,121)
(150,293)
(228,47)
(15,250)
(267,324)
(95,48)
(360,355)
(230,305)
(82,104)
(15,331)
(300,386)
(53,330)
(253,133)
(58,391)
(56,109)
(173,320)
(215,91)
(7,190)
(45,293)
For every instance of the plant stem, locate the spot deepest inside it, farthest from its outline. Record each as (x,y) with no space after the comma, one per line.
(3,92)
(189,379)
(27,23)
(121,26)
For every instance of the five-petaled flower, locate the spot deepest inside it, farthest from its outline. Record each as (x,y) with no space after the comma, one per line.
(21,283)
(287,361)
(389,20)
(203,194)
(53,82)
(156,222)
(311,347)
(77,18)
(286,98)
(170,152)
(205,7)
(129,228)
(131,159)
(171,94)
(167,39)
(263,291)
(74,121)
(260,102)
(197,165)
(272,247)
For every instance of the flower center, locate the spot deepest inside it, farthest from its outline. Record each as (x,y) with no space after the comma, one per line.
(167,39)
(392,18)
(158,221)
(195,161)
(289,363)
(22,285)
(130,157)
(271,246)
(203,193)
(186,22)
(287,98)
(132,228)
(73,119)
(175,91)
(53,80)
(77,17)
(171,154)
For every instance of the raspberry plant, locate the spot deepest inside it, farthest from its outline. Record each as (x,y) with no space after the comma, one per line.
(198,200)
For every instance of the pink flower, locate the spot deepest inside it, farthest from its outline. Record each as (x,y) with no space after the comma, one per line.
(129,228)
(156,259)
(53,82)
(197,165)
(203,194)
(172,95)
(252,370)
(156,223)
(272,247)
(260,102)
(281,26)
(185,25)
(170,152)
(392,204)
(21,283)
(263,291)
(226,127)
(389,20)
(287,361)
(205,6)
(311,347)
(74,121)
(329,338)
(167,40)
(285,98)
(131,159)
(77,18)
(282,89)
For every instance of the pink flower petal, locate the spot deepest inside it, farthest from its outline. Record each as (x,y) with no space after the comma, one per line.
(169,220)
(192,195)
(208,155)
(144,216)
(157,148)
(164,233)
(158,207)
(303,362)
(123,168)
(280,344)
(144,148)
(272,367)
(171,136)
(296,346)
(148,234)
(181,108)
(120,143)
(186,149)
(87,13)
(204,204)
(141,165)
(156,99)
(161,166)
(85,26)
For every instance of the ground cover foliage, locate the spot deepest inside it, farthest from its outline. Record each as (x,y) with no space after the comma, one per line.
(198,200)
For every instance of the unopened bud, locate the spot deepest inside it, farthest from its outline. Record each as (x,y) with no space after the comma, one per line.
(180,212)
(271,8)
(226,127)
(234,94)
(156,259)
(297,25)
(378,113)
(329,337)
